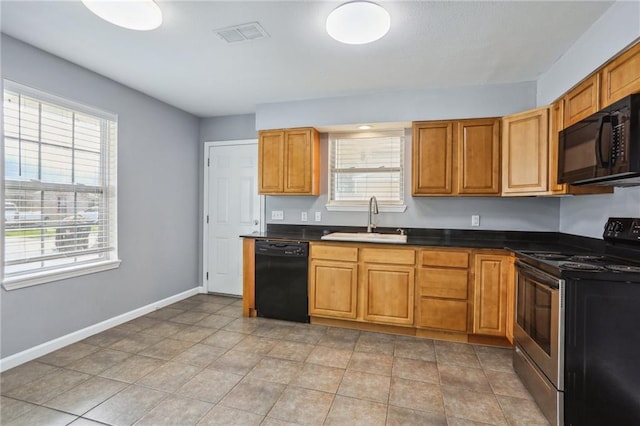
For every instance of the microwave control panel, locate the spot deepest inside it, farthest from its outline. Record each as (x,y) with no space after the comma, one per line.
(622,228)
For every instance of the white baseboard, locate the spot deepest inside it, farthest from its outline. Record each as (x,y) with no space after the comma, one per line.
(55,344)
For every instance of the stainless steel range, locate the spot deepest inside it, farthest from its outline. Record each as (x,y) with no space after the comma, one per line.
(577,329)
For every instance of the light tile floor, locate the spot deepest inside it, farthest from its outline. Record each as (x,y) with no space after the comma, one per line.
(199,361)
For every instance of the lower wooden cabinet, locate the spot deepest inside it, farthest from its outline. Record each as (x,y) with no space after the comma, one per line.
(333,281)
(442,287)
(452,293)
(492,294)
(388,284)
(388,293)
(333,288)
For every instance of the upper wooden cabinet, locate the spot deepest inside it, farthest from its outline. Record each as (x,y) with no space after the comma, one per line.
(556,120)
(582,101)
(525,144)
(620,77)
(478,152)
(432,158)
(289,162)
(456,157)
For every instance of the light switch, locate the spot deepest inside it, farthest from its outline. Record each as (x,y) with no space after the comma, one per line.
(277,215)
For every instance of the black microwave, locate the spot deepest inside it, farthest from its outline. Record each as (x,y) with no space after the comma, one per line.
(604,148)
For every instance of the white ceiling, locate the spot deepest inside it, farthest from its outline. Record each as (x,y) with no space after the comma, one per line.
(183,63)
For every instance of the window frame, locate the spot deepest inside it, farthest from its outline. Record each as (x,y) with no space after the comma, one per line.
(109,187)
(386,206)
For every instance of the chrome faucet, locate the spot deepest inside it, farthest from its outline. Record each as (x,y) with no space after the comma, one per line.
(373,209)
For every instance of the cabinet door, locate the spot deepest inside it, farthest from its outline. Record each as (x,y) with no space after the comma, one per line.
(388,293)
(333,289)
(478,157)
(300,161)
(525,165)
(490,301)
(621,77)
(556,124)
(271,162)
(432,158)
(582,101)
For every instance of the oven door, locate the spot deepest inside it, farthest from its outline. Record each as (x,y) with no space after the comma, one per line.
(539,327)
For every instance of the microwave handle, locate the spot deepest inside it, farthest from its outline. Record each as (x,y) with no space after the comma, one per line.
(600,161)
(615,139)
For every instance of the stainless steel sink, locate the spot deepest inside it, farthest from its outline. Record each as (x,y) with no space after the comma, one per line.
(371,237)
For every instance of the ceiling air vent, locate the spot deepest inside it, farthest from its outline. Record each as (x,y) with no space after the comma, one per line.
(243,32)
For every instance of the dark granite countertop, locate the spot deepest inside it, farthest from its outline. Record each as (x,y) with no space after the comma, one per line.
(422,237)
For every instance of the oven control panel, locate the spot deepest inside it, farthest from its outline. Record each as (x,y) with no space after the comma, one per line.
(623,229)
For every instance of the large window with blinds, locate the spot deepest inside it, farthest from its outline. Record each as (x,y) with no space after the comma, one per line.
(362,165)
(59,188)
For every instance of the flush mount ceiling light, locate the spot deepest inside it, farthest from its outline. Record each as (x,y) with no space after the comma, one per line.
(358,22)
(364,127)
(141,15)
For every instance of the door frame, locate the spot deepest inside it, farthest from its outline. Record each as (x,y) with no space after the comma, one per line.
(205,204)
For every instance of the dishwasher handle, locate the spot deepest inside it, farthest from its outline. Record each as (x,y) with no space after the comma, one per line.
(282,249)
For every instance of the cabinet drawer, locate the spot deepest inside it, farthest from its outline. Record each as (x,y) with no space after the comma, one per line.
(446,258)
(388,256)
(334,252)
(443,314)
(446,283)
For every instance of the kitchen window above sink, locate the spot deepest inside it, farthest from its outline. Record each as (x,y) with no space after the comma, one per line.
(362,165)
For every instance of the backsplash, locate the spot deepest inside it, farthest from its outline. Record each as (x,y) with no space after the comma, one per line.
(509,214)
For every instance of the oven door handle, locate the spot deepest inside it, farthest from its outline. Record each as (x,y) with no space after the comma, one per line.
(537,275)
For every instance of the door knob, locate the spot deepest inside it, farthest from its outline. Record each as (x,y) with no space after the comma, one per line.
(256,221)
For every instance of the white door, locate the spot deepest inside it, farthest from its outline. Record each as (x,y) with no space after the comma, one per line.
(233,208)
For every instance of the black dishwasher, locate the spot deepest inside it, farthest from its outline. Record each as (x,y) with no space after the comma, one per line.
(281,280)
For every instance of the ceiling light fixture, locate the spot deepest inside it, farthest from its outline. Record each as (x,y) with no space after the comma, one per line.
(141,15)
(358,22)
(364,127)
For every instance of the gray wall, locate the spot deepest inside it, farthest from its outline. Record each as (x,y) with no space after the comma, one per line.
(228,128)
(535,214)
(616,29)
(402,105)
(157,207)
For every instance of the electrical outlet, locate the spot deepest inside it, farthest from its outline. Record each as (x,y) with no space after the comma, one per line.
(475,220)
(277,215)
(303,216)
(318,216)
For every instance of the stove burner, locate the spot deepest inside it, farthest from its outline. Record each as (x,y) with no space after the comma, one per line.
(586,258)
(580,266)
(550,256)
(623,268)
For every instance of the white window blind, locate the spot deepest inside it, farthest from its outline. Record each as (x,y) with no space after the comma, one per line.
(366,165)
(59,185)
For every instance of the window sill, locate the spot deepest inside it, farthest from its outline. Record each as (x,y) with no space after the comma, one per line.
(62,274)
(389,208)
